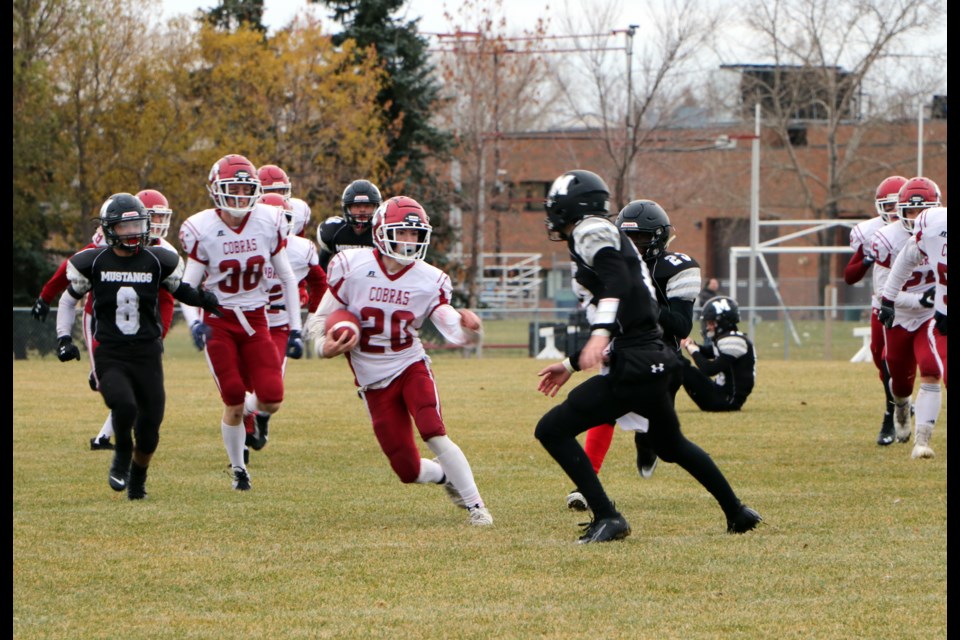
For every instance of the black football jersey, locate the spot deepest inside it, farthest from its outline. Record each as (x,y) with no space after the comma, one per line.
(676,278)
(731,361)
(125,290)
(336,234)
(602,276)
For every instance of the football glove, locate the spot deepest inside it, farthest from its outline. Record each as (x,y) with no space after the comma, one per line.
(40,310)
(211,304)
(867,261)
(926,300)
(201,333)
(294,345)
(885,316)
(66,350)
(940,320)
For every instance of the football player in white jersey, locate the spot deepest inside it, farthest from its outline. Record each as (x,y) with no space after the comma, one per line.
(231,245)
(393,291)
(928,244)
(861,241)
(302,254)
(908,344)
(273,179)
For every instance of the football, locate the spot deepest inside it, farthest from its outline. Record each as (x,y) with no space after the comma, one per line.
(342,320)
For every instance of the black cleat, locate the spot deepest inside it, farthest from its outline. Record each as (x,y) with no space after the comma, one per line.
(119,470)
(887,433)
(246,455)
(101,444)
(136,487)
(261,424)
(746,519)
(646,461)
(605,530)
(241,479)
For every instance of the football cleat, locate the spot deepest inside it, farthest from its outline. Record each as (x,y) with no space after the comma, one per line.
(119,470)
(745,519)
(241,479)
(480,516)
(921,442)
(261,423)
(576,501)
(646,462)
(101,444)
(901,421)
(604,530)
(136,487)
(887,432)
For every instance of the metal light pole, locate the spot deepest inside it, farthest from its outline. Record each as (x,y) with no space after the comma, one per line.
(628,138)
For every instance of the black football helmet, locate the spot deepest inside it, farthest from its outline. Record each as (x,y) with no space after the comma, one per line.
(125,222)
(360,192)
(572,196)
(648,226)
(724,311)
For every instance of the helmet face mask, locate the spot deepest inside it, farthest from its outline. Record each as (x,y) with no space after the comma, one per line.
(722,312)
(234,185)
(155,204)
(401,230)
(359,202)
(573,196)
(648,227)
(916,195)
(124,222)
(276,200)
(887,196)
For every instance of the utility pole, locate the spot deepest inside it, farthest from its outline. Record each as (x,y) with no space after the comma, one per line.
(628,134)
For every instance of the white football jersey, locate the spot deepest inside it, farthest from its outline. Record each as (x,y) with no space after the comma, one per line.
(888,242)
(302,255)
(930,232)
(391,308)
(862,236)
(235,259)
(301,215)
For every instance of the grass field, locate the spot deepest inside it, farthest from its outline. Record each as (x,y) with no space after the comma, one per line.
(329,544)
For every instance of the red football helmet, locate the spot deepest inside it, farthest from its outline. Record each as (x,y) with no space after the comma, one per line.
(915,195)
(159,211)
(277,200)
(886,198)
(233,185)
(273,179)
(397,214)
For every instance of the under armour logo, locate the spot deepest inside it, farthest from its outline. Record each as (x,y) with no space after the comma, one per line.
(219,233)
(371,274)
(657,368)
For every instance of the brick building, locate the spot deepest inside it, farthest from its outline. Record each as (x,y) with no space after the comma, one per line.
(705,188)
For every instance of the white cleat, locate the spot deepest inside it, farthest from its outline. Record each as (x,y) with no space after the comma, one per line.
(480,516)
(576,502)
(921,445)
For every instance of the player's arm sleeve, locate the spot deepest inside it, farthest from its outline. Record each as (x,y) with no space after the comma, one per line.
(315,328)
(898,274)
(712,366)
(192,274)
(316,285)
(67,307)
(56,285)
(447,321)
(855,269)
(291,289)
(612,270)
(676,317)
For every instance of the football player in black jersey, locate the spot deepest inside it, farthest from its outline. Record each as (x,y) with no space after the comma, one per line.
(360,199)
(726,362)
(637,368)
(676,280)
(125,278)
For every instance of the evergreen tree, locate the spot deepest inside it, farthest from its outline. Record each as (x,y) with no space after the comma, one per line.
(230,14)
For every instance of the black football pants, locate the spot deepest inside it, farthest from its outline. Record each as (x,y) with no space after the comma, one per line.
(131,383)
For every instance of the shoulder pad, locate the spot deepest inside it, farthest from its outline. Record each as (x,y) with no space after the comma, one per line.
(592,234)
(733,345)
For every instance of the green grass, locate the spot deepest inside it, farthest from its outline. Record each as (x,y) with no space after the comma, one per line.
(329,544)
